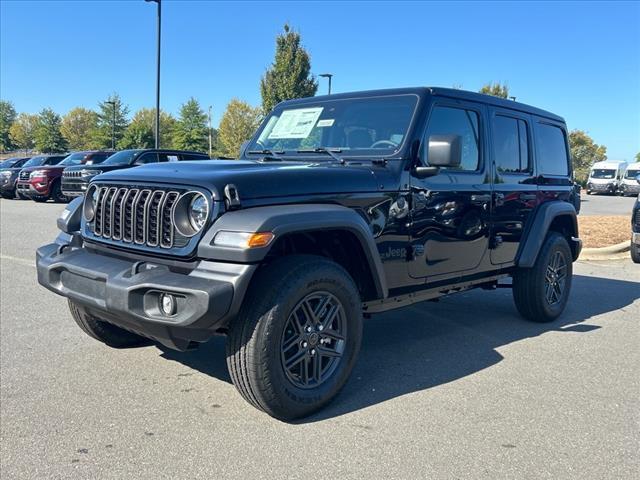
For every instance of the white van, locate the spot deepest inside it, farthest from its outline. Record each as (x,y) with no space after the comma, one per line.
(604,176)
(629,185)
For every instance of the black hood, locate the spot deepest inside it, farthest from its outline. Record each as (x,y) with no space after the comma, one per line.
(98,167)
(255,179)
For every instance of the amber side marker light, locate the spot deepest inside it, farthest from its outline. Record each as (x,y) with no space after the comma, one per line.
(243,239)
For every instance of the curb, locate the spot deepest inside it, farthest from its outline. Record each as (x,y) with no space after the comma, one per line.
(612,252)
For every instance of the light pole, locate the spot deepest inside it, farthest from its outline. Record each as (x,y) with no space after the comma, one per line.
(159,2)
(329,76)
(113,124)
(210,139)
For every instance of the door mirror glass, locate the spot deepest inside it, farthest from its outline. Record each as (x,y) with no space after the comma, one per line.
(445,151)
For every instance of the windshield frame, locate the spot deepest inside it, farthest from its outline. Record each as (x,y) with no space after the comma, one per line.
(134,152)
(345,153)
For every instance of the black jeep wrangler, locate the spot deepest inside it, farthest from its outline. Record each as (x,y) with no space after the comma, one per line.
(340,206)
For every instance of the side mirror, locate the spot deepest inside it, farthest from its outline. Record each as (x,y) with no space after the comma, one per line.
(638,179)
(445,151)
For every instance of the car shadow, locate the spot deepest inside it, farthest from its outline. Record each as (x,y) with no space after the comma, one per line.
(433,343)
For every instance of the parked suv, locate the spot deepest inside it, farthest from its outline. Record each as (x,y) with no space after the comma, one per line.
(24,187)
(44,182)
(75,180)
(340,207)
(635,228)
(9,175)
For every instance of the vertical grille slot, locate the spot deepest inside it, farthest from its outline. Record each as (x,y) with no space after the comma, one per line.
(97,229)
(166,225)
(153,222)
(127,214)
(139,220)
(107,220)
(116,213)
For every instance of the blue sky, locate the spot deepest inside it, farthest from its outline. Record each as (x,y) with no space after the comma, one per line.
(580,60)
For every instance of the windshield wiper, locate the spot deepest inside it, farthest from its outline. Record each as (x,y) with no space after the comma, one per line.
(331,152)
(270,155)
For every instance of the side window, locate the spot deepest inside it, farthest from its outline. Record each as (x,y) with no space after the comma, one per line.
(168,157)
(147,158)
(510,144)
(551,150)
(457,121)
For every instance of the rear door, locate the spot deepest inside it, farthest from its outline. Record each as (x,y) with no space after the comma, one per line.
(450,210)
(514,182)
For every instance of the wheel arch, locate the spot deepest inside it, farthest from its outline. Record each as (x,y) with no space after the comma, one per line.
(555,216)
(333,231)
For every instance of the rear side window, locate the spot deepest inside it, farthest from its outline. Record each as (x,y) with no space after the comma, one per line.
(194,156)
(510,145)
(147,158)
(457,121)
(551,150)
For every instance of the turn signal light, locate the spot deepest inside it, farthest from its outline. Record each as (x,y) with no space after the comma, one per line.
(260,239)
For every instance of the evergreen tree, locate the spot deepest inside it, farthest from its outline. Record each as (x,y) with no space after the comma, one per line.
(7,117)
(48,137)
(290,74)
(191,131)
(23,131)
(101,136)
(239,121)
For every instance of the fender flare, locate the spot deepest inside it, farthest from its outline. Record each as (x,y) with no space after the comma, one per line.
(285,219)
(544,216)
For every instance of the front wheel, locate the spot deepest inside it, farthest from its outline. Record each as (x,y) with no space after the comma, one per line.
(296,339)
(56,193)
(635,253)
(541,292)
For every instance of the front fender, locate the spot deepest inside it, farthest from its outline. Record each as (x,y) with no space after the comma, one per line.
(284,219)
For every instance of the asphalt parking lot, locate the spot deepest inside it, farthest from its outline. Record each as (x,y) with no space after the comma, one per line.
(606,204)
(462,388)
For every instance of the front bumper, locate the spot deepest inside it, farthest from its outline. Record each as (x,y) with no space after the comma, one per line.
(29,190)
(74,187)
(127,293)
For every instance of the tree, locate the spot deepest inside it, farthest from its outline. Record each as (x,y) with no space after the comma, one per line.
(496,89)
(191,131)
(584,152)
(290,74)
(238,123)
(48,137)
(141,132)
(7,117)
(23,131)
(638,157)
(101,137)
(78,126)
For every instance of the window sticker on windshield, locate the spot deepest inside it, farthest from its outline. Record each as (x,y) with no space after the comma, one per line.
(295,123)
(327,122)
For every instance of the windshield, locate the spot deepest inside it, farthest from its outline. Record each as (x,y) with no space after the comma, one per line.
(356,126)
(35,162)
(74,159)
(122,158)
(10,162)
(632,174)
(603,173)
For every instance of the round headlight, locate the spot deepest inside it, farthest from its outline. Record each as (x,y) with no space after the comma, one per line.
(198,212)
(190,213)
(90,200)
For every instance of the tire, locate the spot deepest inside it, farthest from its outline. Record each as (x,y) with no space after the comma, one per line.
(105,332)
(263,338)
(530,285)
(39,199)
(56,193)
(635,253)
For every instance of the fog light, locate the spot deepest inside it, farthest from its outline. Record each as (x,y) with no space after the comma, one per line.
(168,304)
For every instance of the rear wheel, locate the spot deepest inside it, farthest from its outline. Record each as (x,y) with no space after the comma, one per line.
(292,348)
(635,253)
(541,292)
(105,332)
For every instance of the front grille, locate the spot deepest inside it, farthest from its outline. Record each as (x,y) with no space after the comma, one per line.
(636,219)
(72,174)
(136,215)
(24,175)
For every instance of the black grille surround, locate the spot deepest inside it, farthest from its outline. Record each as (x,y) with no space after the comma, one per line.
(139,217)
(636,220)
(24,176)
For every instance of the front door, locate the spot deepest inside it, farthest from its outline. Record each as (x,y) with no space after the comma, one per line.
(515,191)
(450,210)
